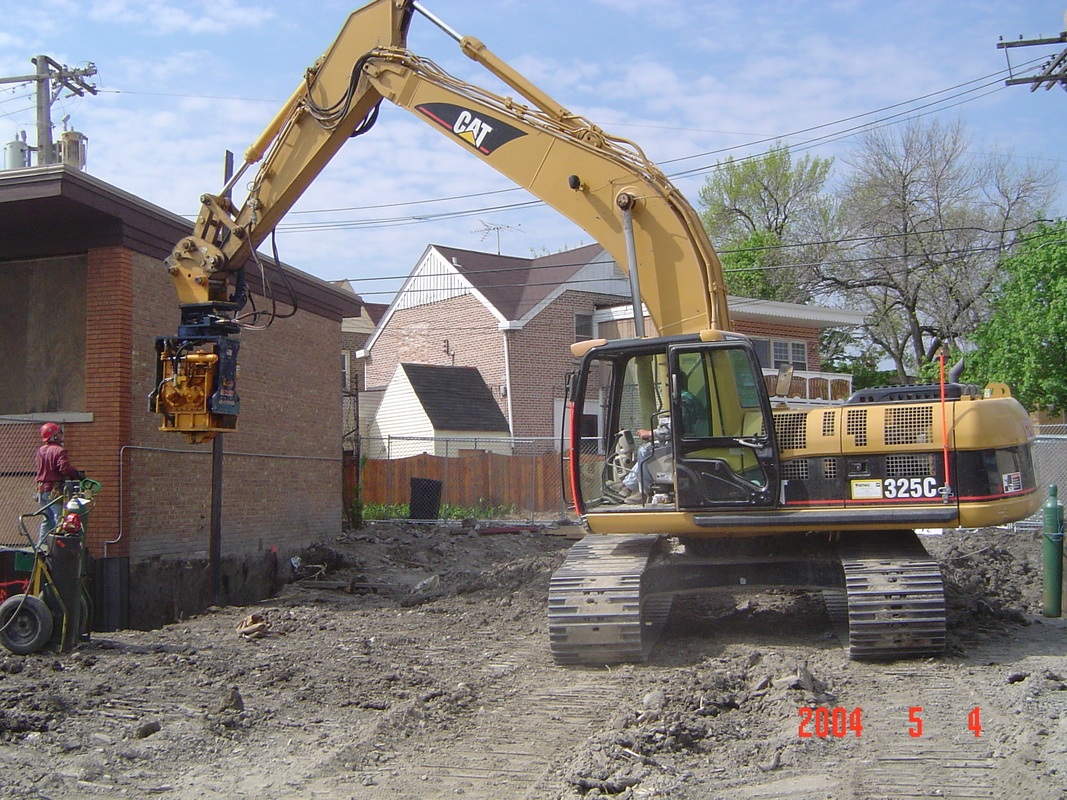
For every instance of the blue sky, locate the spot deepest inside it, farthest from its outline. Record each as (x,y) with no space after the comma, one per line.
(183,80)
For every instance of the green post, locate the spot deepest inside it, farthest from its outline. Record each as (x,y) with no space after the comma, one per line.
(1052,551)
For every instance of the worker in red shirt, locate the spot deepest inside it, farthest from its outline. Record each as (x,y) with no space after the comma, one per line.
(53,467)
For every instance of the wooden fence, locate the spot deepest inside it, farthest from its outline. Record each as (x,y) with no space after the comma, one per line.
(529,484)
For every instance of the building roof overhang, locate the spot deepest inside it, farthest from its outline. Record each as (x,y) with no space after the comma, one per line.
(57,210)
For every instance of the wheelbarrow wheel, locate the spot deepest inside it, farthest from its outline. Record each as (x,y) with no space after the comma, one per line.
(25,624)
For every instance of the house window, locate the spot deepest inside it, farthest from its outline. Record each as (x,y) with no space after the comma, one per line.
(583,327)
(781,352)
(589,427)
(346,370)
(763,352)
(774,352)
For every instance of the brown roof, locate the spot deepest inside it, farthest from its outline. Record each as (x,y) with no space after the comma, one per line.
(376,311)
(515,285)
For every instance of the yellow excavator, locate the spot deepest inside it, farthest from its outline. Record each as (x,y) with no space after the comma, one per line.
(699,479)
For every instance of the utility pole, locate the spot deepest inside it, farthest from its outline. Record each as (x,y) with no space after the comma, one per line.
(51,79)
(1053,72)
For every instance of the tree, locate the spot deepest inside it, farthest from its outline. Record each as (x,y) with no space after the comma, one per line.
(746,267)
(762,214)
(926,222)
(1024,342)
(843,350)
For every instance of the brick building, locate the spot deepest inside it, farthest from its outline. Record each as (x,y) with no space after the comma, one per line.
(515,319)
(512,318)
(83,295)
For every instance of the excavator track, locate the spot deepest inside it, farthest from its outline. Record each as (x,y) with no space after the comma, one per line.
(610,599)
(895,595)
(597,613)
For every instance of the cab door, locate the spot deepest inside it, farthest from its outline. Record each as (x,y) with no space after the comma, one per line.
(723,433)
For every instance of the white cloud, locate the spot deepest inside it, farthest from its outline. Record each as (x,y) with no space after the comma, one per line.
(174,17)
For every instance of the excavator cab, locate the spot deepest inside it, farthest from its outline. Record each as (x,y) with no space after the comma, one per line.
(725,453)
(682,425)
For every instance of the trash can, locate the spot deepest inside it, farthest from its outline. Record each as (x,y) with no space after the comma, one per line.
(425,499)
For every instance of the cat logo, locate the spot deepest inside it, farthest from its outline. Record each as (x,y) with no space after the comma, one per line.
(479,131)
(472,129)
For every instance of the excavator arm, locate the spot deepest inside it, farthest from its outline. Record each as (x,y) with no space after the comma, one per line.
(604,184)
(332,104)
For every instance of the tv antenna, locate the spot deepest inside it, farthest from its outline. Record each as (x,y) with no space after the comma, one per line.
(488,228)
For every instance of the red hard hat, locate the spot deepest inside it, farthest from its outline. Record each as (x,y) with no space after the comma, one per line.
(49,431)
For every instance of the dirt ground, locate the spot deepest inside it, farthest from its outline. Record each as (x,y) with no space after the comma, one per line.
(412,662)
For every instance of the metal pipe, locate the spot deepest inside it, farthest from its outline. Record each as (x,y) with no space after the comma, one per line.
(214,552)
(626,204)
(1052,554)
(507,383)
(436,20)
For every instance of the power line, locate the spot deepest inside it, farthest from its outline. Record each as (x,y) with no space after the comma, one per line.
(812,128)
(191,96)
(830,137)
(1053,71)
(957,254)
(412,220)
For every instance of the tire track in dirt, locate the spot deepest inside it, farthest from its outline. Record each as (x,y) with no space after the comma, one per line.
(516,739)
(916,738)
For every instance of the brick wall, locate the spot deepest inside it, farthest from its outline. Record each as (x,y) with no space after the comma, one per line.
(418,336)
(540,360)
(352,342)
(286,494)
(540,352)
(108,307)
(773,330)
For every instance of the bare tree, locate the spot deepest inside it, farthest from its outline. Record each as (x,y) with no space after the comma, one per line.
(927,222)
(767,215)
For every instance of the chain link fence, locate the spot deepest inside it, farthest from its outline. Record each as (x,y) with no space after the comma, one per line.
(1050,455)
(19,440)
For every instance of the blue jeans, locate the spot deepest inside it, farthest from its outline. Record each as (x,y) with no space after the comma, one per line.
(52,510)
(638,478)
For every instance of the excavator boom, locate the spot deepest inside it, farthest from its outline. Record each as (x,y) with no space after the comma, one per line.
(603,183)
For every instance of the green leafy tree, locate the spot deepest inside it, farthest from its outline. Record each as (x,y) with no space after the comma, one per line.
(746,268)
(1024,343)
(863,368)
(769,215)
